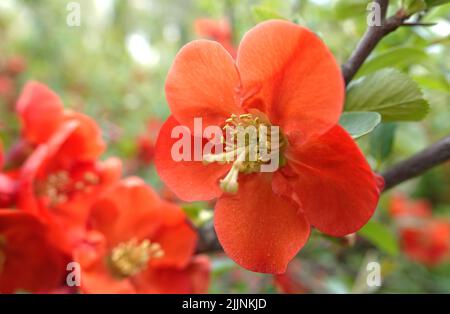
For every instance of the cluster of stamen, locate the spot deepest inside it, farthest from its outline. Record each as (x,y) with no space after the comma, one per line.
(132,257)
(59,186)
(248,154)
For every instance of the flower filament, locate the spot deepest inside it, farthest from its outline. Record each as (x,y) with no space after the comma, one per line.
(248,146)
(60,185)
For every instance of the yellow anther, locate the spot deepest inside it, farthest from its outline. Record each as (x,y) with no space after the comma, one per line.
(130,258)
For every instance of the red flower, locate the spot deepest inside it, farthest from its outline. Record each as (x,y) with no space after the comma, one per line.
(139,243)
(423,238)
(62,177)
(283,76)
(7,184)
(28,260)
(41,112)
(217,30)
(401,207)
(428,242)
(146,142)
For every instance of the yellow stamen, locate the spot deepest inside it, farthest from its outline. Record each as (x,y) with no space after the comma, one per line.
(247,148)
(130,258)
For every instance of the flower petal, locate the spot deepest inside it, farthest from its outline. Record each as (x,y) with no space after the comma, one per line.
(292,76)
(202,82)
(28,260)
(189,180)
(336,187)
(258,229)
(41,112)
(178,243)
(194,278)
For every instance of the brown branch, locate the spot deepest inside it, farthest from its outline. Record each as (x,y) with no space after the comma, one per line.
(371,38)
(430,157)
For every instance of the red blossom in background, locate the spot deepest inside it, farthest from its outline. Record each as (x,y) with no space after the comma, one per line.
(146,142)
(60,187)
(139,243)
(424,238)
(217,30)
(28,259)
(62,177)
(285,76)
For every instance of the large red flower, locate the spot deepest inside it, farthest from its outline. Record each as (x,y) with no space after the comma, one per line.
(283,76)
(62,177)
(139,243)
(28,260)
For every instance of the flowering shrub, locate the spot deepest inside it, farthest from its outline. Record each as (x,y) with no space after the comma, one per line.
(224,147)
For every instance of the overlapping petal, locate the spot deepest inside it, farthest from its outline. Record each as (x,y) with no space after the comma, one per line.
(202,83)
(334,183)
(289,73)
(190,180)
(41,112)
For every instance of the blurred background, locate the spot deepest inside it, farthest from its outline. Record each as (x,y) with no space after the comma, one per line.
(113,68)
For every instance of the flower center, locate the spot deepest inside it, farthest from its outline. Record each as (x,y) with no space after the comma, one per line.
(130,258)
(59,186)
(251,143)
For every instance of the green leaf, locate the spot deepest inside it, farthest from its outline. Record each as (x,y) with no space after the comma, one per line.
(382,140)
(433,3)
(359,123)
(391,93)
(414,6)
(262,13)
(380,236)
(398,57)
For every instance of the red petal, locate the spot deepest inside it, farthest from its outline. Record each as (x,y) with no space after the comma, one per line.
(129,210)
(194,278)
(178,243)
(41,112)
(295,77)
(336,187)
(85,143)
(190,180)
(258,229)
(28,261)
(202,83)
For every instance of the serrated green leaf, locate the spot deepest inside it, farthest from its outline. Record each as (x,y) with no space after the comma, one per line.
(398,57)
(262,13)
(382,140)
(389,92)
(359,123)
(380,236)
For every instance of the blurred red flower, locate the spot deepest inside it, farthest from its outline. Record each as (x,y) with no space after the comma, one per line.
(28,260)
(402,207)
(217,30)
(62,177)
(285,76)
(15,65)
(146,142)
(424,238)
(139,243)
